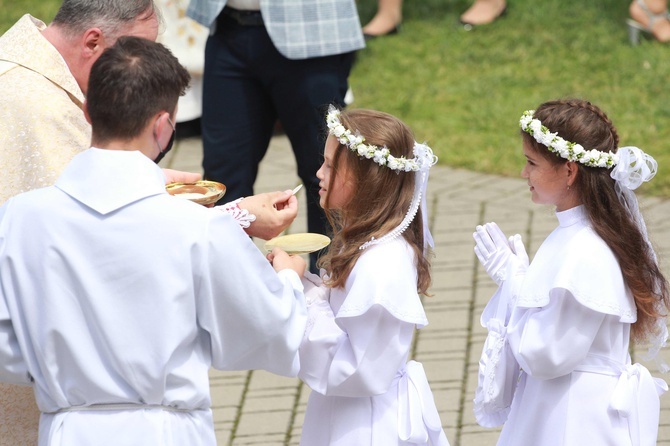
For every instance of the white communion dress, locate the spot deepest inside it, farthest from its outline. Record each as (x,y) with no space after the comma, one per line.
(569,332)
(354,356)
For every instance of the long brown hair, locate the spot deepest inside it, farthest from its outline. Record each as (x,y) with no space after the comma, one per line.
(381,198)
(581,122)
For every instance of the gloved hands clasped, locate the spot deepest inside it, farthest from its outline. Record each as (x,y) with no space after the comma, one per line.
(497,253)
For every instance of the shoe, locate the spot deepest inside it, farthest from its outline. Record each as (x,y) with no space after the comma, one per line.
(392,31)
(470,26)
(635,27)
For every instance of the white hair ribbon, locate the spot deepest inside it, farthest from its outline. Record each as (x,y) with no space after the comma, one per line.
(634,167)
(425,159)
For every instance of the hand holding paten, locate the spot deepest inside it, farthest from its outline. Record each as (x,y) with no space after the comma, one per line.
(178,176)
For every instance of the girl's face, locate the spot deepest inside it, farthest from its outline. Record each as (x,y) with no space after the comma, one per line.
(343,186)
(549,182)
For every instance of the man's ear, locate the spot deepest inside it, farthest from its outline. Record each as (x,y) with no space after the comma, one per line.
(162,122)
(93,42)
(162,129)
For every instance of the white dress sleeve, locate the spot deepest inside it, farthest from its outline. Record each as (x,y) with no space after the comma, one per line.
(357,356)
(551,341)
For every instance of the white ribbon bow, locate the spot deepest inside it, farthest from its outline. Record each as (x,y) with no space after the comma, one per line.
(418,419)
(634,167)
(636,386)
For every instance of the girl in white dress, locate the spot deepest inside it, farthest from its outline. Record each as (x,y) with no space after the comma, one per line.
(593,286)
(364,308)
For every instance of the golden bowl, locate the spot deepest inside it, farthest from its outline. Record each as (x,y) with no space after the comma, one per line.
(201,192)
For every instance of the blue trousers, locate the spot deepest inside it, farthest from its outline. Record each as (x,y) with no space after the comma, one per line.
(247,86)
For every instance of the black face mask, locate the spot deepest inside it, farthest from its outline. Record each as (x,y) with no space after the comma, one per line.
(168,147)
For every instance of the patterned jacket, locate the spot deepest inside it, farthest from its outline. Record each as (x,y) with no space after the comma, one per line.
(299,29)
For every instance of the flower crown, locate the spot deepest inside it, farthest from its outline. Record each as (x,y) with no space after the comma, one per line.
(423,160)
(565,149)
(423,155)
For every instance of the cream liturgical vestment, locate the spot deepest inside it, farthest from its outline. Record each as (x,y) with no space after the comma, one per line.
(569,331)
(43,127)
(354,358)
(117,298)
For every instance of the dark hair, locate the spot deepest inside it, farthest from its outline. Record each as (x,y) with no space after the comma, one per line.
(111,16)
(129,83)
(581,122)
(382,198)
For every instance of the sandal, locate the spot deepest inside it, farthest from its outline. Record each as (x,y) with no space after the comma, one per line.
(635,27)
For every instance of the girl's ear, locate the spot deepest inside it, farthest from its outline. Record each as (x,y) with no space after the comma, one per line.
(573,171)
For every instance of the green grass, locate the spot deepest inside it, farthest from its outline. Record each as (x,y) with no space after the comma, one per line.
(463,92)
(12,10)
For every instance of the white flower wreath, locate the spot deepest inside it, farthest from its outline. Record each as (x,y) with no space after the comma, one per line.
(423,159)
(565,149)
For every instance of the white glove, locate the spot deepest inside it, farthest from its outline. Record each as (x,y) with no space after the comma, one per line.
(518,249)
(314,289)
(495,251)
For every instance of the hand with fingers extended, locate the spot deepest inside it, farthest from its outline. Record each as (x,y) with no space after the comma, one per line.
(497,253)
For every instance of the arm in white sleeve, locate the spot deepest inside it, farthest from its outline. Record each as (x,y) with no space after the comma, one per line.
(242,216)
(255,317)
(13,368)
(355,356)
(551,341)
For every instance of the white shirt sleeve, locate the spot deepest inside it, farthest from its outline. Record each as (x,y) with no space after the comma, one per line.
(255,317)
(355,356)
(13,369)
(551,341)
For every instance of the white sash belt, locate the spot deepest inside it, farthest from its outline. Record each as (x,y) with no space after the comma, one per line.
(418,419)
(120,406)
(635,397)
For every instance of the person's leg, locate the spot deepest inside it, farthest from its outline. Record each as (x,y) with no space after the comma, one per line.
(653,16)
(386,20)
(483,11)
(238,116)
(302,92)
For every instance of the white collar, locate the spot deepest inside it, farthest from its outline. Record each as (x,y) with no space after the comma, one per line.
(571,216)
(106,180)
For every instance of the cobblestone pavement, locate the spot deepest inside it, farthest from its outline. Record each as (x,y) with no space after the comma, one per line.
(261,409)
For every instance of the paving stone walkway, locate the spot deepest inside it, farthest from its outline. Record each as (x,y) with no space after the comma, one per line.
(261,409)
